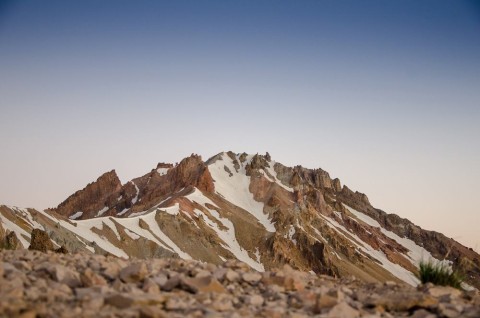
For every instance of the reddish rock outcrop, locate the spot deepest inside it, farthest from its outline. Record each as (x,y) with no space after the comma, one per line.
(192,171)
(93,198)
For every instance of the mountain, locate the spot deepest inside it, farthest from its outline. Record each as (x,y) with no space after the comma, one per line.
(245,207)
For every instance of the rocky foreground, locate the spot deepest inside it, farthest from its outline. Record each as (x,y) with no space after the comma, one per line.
(36,284)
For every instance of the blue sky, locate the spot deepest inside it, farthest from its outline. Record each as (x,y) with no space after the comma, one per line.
(383,94)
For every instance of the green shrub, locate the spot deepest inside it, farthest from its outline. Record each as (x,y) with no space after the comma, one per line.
(439,274)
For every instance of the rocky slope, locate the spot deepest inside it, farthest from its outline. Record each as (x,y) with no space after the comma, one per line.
(244,207)
(36,284)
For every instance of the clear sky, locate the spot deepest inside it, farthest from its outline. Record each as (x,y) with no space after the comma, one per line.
(384,95)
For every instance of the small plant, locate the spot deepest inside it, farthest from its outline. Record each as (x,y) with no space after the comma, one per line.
(439,274)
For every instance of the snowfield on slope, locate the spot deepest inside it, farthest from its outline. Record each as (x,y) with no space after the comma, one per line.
(236,188)
(83,229)
(393,268)
(228,236)
(273,173)
(416,253)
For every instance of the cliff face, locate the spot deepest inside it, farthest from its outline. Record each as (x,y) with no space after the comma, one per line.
(440,246)
(245,207)
(108,197)
(93,198)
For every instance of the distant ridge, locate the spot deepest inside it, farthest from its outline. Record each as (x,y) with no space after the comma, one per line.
(245,207)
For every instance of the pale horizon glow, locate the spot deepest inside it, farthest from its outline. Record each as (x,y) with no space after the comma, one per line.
(383,95)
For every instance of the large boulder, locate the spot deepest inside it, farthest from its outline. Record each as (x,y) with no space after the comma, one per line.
(40,241)
(12,242)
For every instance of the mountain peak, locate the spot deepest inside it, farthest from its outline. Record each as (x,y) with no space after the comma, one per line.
(251,208)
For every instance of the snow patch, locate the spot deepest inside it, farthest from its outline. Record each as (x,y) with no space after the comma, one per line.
(76,215)
(123,212)
(102,211)
(257,255)
(416,253)
(133,235)
(135,214)
(393,268)
(172,210)
(162,171)
(227,236)
(273,173)
(27,216)
(84,228)
(290,233)
(236,188)
(135,199)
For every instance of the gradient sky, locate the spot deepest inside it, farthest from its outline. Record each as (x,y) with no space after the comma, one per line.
(384,95)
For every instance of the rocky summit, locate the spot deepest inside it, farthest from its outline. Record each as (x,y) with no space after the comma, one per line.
(242,207)
(37,284)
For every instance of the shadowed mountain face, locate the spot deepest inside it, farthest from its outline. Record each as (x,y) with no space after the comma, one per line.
(245,207)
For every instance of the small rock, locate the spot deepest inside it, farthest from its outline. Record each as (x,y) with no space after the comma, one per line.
(220,273)
(274,280)
(444,291)
(22,266)
(160,279)
(94,303)
(273,312)
(401,300)
(222,303)
(337,294)
(232,276)
(128,300)
(256,300)
(90,278)
(91,292)
(171,283)
(110,270)
(204,284)
(61,274)
(323,302)
(175,303)
(152,312)
(252,278)
(203,273)
(449,310)
(62,250)
(150,286)
(422,313)
(390,283)
(28,314)
(294,280)
(343,310)
(134,273)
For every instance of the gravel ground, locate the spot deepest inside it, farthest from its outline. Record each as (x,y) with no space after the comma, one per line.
(36,284)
